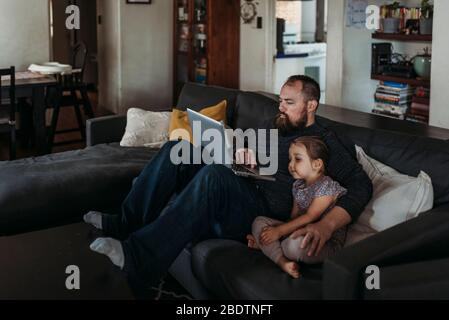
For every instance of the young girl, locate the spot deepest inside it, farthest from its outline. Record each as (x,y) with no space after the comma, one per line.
(314,194)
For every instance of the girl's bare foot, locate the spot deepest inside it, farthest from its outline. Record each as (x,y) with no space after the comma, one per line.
(290,267)
(252,243)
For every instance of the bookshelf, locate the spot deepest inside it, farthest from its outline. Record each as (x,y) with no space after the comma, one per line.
(402,37)
(402,105)
(206,43)
(415,82)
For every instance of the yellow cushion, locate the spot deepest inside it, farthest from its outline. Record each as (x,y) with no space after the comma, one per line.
(180,126)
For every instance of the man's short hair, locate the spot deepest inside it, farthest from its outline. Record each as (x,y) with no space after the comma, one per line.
(310,88)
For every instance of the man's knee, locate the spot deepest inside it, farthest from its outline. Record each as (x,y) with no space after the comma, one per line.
(215,173)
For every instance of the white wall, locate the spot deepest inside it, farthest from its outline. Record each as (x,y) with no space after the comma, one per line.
(147,54)
(25,33)
(257,49)
(334,63)
(439,108)
(135,55)
(109,62)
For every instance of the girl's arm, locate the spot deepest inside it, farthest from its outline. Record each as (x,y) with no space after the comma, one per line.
(295,210)
(316,209)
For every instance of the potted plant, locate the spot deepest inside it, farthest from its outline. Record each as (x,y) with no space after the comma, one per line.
(391,22)
(426,20)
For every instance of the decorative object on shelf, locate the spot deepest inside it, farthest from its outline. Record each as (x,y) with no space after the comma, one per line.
(248,11)
(422,64)
(391,21)
(412,26)
(391,25)
(200,11)
(138,1)
(426,20)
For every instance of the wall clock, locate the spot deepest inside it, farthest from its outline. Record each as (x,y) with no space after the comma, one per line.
(248,11)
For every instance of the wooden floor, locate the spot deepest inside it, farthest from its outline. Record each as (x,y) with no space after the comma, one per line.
(67,120)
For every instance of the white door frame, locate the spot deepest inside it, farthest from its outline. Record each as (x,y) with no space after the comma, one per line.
(270,47)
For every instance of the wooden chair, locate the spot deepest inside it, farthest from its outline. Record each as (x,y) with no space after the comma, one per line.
(65,94)
(8,110)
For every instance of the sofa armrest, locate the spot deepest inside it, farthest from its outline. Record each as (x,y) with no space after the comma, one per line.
(422,238)
(105,130)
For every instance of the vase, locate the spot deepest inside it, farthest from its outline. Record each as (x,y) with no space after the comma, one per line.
(391,25)
(422,65)
(425,26)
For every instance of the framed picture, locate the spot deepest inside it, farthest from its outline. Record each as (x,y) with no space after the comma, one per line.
(139,1)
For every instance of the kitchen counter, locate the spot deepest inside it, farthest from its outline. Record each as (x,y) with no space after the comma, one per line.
(292,55)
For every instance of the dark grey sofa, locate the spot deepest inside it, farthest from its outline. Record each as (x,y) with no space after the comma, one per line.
(57,189)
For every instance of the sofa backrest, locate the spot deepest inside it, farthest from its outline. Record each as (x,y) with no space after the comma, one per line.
(253,110)
(197,96)
(405,153)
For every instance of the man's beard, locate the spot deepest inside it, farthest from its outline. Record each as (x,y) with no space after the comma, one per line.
(285,126)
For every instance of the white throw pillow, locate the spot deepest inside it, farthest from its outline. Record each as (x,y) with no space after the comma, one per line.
(146,128)
(397,198)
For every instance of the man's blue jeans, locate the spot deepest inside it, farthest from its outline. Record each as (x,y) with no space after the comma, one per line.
(211,202)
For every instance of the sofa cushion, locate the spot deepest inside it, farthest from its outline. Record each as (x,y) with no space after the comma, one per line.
(253,110)
(146,128)
(405,153)
(230,270)
(56,188)
(197,96)
(180,128)
(397,198)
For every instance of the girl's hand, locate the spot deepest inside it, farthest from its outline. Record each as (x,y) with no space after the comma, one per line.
(269,235)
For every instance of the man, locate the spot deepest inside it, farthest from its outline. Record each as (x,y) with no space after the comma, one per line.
(212,202)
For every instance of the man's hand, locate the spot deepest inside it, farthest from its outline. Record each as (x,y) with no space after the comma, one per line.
(269,235)
(246,157)
(315,237)
(317,234)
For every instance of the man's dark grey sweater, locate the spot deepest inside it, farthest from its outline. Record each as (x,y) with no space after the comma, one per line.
(342,167)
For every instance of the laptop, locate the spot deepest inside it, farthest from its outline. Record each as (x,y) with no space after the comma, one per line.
(227,157)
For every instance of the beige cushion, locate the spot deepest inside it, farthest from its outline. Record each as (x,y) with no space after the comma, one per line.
(397,198)
(146,128)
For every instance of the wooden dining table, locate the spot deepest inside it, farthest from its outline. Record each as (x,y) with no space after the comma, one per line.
(31,85)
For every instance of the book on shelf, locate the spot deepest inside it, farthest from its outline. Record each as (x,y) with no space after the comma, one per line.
(421,100)
(417,118)
(392,99)
(389,114)
(391,108)
(380,97)
(416,112)
(393,90)
(420,106)
(392,84)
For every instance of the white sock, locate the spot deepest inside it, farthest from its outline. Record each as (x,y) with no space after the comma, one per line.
(111,248)
(94,218)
